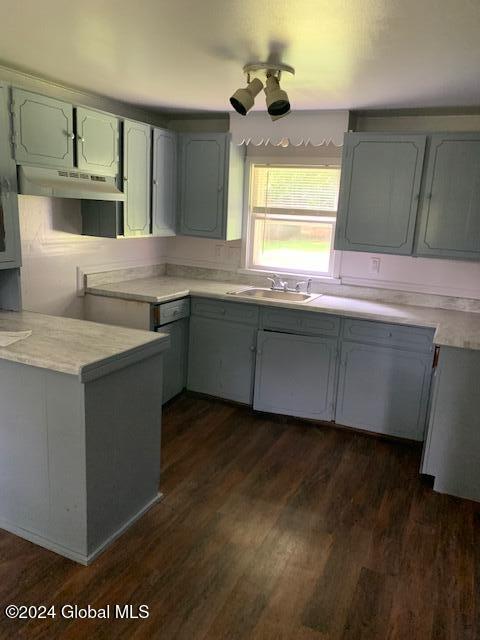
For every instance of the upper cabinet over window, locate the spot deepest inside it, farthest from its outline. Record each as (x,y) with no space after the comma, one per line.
(211,171)
(97,142)
(42,130)
(379,192)
(449,224)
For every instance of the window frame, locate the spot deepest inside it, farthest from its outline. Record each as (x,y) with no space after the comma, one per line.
(248,217)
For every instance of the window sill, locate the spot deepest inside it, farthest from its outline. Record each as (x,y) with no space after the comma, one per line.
(287,274)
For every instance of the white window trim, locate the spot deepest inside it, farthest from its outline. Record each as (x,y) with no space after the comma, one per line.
(334,278)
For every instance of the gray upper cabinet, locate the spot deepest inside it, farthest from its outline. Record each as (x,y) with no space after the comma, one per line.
(136,179)
(295,375)
(211,171)
(42,130)
(97,142)
(379,192)
(449,223)
(164,187)
(9,225)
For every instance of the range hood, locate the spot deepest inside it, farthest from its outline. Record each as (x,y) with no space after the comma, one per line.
(64,183)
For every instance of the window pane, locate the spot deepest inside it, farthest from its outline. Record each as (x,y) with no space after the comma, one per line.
(297,188)
(292,245)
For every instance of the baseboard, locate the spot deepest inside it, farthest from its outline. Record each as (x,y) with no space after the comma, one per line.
(70,554)
(101,548)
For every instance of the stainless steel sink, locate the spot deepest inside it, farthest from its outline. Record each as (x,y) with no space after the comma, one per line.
(268,294)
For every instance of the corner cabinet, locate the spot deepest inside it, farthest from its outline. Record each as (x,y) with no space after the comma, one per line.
(136,178)
(221,355)
(164,183)
(449,223)
(9,222)
(295,375)
(42,130)
(379,192)
(211,172)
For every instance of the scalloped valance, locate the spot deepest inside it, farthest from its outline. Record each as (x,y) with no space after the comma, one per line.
(298,128)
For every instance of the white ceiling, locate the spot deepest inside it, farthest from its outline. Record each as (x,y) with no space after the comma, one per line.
(188,54)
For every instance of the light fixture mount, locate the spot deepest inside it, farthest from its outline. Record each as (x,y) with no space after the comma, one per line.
(269,68)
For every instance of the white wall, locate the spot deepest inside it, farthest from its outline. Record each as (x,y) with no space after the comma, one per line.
(52,249)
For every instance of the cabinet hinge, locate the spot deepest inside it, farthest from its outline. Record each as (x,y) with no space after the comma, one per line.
(436,355)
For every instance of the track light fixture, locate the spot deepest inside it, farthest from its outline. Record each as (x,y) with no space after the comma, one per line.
(278,104)
(243,99)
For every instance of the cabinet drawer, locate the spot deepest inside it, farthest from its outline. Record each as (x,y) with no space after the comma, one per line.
(170,311)
(392,335)
(300,322)
(232,311)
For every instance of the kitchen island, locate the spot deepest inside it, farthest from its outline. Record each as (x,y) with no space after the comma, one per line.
(80,427)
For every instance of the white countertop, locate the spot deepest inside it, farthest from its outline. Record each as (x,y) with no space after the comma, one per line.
(452,328)
(76,347)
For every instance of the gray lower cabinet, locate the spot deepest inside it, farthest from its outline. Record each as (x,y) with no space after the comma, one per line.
(42,130)
(384,389)
(9,224)
(164,187)
(175,359)
(97,142)
(379,192)
(295,375)
(221,358)
(211,171)
(449,224)
(136,178)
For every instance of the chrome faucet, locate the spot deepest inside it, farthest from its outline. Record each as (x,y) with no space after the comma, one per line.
(282,285)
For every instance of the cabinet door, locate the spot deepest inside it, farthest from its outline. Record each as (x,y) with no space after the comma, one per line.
(450,215)
(9,231)
(164,189)
(202,184)
(43,130)
(384,390)
(221,359)
(295,375)
(136,167)
(97,142)
(175,359)
(379,192)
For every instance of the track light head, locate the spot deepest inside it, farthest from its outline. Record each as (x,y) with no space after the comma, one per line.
(278,104)
(243,99)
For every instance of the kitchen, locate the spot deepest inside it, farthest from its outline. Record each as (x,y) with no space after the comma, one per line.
(239,347)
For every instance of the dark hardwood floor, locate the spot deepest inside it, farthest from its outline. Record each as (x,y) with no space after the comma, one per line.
(274,529)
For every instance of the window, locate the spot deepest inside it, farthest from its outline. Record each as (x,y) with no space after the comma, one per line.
(291,218)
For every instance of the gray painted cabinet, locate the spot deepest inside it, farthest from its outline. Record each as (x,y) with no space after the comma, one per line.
(164,183)
(9,224)
(295,375)
(379,192)
(42,130)
(175,359)
(383,389)
(136,178)
(221,358)
(211,171)
(449,224)
(97,142)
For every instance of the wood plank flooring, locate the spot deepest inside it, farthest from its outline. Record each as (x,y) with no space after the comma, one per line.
(270,529)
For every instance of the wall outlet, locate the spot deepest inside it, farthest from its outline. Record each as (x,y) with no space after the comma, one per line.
(375,265)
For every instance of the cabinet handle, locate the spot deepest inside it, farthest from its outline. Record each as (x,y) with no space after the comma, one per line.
(71,135)
(81,139)
(252,347)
